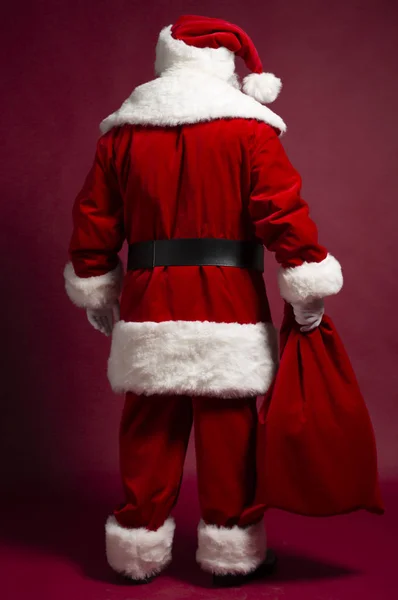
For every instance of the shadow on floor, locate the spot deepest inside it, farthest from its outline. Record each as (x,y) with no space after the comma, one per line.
(74,529)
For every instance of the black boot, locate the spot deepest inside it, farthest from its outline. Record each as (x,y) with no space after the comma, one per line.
(267,567)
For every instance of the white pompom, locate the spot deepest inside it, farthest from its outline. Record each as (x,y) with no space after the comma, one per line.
(263,87)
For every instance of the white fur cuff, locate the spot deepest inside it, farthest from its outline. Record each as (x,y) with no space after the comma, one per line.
(138,553)
(223,550)
(311,280)
(93,292)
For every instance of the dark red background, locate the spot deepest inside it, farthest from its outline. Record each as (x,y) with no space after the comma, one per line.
(69,64)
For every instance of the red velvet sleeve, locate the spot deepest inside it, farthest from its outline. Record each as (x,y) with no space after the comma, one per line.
(98,231)
(279,213)
(281,220)
(94,275)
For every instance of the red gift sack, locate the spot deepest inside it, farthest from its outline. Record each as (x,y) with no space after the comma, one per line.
(316,447)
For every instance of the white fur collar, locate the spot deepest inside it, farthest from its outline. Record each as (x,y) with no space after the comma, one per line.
(187,95)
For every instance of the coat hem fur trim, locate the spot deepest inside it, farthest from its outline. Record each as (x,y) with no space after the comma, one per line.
(234,550)
(197,358)
(138,553)
(311,280)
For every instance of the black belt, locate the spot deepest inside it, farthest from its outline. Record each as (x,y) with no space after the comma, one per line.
(196,252)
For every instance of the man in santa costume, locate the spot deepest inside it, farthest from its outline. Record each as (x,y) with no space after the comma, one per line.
(191,172)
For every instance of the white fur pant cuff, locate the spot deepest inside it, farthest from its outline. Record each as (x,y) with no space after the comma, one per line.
(223,550)
(138,553)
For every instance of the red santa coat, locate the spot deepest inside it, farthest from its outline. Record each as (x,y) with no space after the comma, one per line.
(189,155)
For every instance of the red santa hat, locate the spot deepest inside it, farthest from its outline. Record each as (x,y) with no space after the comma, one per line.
(199,34)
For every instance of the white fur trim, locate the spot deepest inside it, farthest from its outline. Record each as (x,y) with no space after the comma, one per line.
(171,53)
(193,357)
(186,96)
(196,84)
(311,280)
(93,292)
(264,87)
(223,550)
(138,553)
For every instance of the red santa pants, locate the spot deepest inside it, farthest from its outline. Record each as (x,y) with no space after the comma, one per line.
(154,436)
